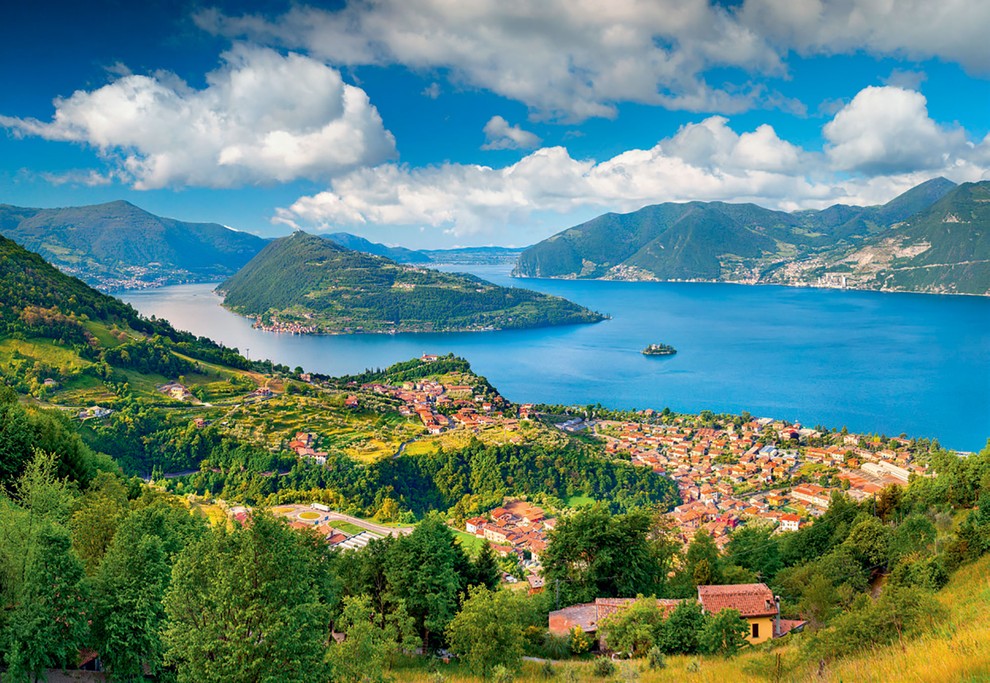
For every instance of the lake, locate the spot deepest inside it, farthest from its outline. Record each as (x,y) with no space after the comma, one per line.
(874,362)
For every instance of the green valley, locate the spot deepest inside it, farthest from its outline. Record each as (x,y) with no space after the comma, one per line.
(409,504)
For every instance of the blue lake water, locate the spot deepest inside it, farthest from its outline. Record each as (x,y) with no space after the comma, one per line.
(875,362)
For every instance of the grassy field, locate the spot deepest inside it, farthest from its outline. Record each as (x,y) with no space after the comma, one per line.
(347,527)
(62,359)
(471,543)
(579,501)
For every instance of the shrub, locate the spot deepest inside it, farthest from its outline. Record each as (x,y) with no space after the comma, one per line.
(656,659)
(501,674)
(580,642)
(604,667)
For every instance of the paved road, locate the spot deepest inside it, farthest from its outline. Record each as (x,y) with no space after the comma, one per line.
(371,526)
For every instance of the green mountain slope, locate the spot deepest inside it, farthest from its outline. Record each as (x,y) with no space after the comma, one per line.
(942,249)
(310,281)
(718,241)
(119,245)
(696,240)
(91,345)
(397,254)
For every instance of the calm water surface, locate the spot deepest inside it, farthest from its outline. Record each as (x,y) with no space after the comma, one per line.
(888,363)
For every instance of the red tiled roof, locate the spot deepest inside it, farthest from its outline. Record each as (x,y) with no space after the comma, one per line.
(584,615)
(750,599)
(788,625)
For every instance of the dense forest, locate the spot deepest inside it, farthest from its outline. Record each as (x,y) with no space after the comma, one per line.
(339,290)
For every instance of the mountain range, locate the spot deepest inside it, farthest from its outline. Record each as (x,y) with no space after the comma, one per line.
(118,245)
(932,238)
(304,283)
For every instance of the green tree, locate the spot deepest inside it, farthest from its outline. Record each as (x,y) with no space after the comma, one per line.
(869,541)
(128,613)
(681,631)
(428,570)
(914,535)
(634,629)
(245,605)
(724,633)
(702,565)
(486,569)
(755,547)
(366,653)
(96,517)
(486,631)
(48,625)
(594,553)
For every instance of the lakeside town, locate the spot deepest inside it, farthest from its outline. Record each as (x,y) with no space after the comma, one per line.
(746,471)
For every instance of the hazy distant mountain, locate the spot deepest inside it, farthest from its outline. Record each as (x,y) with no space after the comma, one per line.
(398,254)
(119,245)
(721,241)
(304,281)
(475,255)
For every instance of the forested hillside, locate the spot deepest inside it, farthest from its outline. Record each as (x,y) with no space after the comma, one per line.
(741,243)
(118,245)
(944,248)
(312,282)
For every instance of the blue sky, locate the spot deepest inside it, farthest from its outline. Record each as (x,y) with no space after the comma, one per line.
(444,122)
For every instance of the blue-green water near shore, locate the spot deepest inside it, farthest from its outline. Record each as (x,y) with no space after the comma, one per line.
(875,362)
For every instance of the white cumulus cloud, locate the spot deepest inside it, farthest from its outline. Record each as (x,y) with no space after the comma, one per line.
(499,134)
(873,154)
(568,59)
(952,30)
(263,117)
(888,130)
(704,161)
(575,59)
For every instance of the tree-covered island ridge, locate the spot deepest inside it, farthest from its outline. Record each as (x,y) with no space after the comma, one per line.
(174,511)
(307,284)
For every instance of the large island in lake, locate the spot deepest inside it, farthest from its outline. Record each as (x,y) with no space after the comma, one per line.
(307,284)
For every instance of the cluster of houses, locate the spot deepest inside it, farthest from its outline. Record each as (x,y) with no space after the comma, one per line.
(94,412)
(517,527)
(283,326)
(303,445)
(441,407)
(728,476)
(755,602)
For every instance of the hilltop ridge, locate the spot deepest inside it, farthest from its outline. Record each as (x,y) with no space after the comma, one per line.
(304,283)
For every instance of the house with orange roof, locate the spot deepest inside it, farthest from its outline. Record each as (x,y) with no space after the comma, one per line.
(755,602)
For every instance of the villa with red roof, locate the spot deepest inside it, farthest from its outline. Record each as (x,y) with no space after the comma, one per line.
(755,602)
